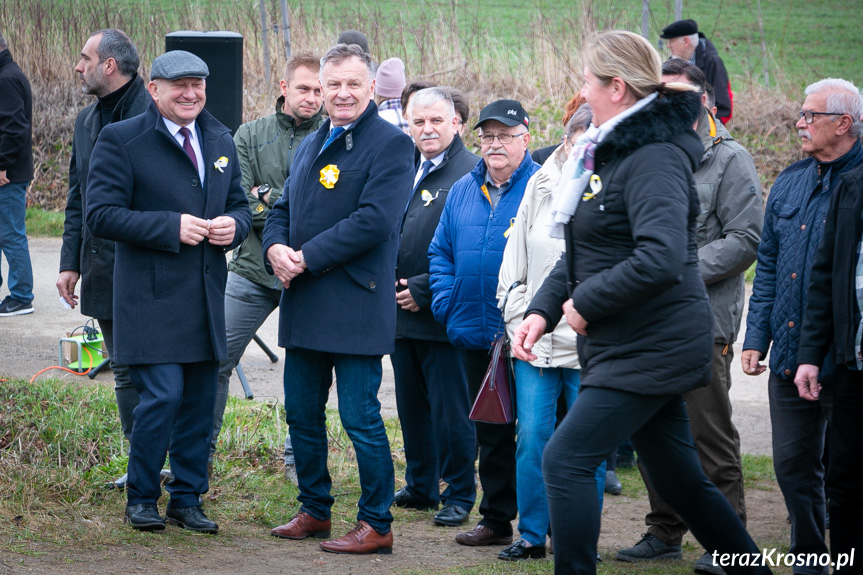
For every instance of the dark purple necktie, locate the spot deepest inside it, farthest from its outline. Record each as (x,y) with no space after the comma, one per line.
(187,145)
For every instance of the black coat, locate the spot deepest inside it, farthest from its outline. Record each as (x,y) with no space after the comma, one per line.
(418,228)
(169,297)
(631,261)
(345,301)
(832,314)
(91,257)
(16,121)
(708,60)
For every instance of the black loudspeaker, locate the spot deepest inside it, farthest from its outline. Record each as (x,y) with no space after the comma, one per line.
(223,53)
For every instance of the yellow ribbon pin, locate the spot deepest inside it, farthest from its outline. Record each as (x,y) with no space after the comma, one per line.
(509,229)
(428,198)
(329,176)
(221,163)
(595,186)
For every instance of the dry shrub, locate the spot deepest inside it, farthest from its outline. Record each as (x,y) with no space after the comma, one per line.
(45,38)
(763,123)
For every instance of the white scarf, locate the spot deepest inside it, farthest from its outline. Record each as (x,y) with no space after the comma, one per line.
(578,169)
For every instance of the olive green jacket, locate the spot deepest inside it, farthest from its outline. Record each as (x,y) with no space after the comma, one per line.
(266,148)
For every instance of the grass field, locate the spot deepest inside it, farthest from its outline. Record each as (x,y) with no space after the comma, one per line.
(521,49)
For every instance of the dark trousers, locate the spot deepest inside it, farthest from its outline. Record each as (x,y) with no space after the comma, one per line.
(434,403)
(124,390)
(175,414)
(798,444)
(718,445)
(308,377)
(846,483)
(658,427)
(496,445)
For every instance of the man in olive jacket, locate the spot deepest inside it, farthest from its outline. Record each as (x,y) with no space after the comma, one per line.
(108,70)
(266,149)
(431,384)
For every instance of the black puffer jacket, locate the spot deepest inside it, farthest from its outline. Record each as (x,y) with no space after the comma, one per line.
(631,262)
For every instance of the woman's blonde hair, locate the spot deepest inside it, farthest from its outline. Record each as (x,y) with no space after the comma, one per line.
(630,57)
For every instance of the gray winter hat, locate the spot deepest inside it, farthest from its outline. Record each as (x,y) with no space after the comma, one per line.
(178,64)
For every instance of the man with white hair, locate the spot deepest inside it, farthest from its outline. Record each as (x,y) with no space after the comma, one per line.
(796,210)
(431,384)
(687,43)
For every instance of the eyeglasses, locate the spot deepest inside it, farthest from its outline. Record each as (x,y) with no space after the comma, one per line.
(502,138)
(810,115)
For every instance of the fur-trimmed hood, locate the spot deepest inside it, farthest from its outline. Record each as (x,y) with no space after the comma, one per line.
(666,119)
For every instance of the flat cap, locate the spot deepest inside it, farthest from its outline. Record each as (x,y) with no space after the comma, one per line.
(178,64)
(679,28)
(507,112)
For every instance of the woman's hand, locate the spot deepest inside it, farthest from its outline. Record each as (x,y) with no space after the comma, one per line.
(574,319)
(531,329)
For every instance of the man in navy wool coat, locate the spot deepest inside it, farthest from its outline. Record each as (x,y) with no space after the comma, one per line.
(332,240)
(165,186)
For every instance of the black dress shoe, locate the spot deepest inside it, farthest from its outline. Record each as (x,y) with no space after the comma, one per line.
(451,516)
(519,550)
(403,498)
(144,517)
(191,518)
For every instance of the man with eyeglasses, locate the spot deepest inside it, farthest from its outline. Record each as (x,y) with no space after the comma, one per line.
(829,129)
(465,257)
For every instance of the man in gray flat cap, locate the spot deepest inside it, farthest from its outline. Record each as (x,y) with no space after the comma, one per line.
(165,186)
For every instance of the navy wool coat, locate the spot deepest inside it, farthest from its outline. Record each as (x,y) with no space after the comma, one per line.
(345,301)
(169,298)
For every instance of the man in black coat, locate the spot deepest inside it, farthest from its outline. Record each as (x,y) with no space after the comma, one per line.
(165,186)
(832,316)
(16,172)
(687,43)
(109,71)
(431,384)
(332,240)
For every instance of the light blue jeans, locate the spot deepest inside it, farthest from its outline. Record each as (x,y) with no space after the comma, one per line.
(536,392)
(13,240)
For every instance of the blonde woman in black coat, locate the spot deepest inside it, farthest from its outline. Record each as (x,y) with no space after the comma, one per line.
(628,284)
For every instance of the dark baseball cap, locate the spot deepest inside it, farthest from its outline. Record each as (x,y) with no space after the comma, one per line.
(507,112)
(679,28)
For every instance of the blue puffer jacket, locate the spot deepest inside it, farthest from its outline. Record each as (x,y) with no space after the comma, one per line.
(793,225)
(466,253)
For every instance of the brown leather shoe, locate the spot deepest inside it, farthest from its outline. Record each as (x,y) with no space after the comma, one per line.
(361,540)
(303,525)
(482,535)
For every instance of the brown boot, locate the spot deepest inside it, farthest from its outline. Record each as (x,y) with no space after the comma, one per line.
(361,540)
(303,525)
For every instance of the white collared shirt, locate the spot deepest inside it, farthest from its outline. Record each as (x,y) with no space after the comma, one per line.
(436,161)
(174,129)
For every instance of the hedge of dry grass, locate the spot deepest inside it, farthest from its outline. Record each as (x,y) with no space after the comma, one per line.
(46,37)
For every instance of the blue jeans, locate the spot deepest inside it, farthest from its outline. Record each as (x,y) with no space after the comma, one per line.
(247,307)
(308,376)
(13,240)
(536,392)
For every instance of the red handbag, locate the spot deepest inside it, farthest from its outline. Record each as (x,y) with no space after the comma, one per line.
(494,402)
